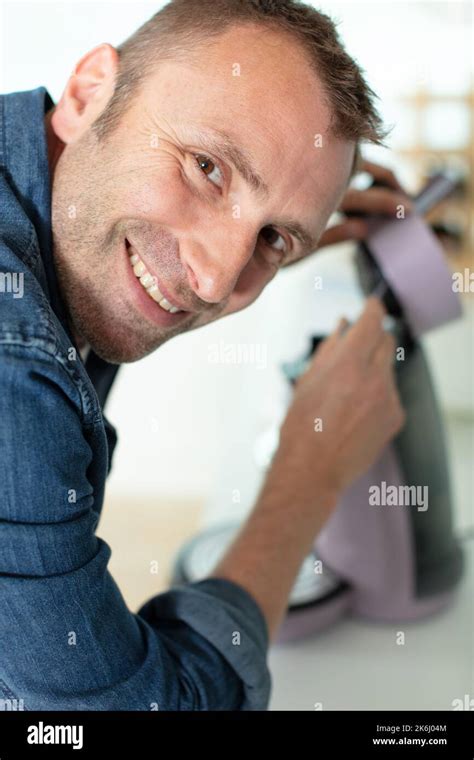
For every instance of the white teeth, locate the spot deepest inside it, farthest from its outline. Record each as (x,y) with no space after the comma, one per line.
(139,268)
(148,282)
(166,305)
(155,293)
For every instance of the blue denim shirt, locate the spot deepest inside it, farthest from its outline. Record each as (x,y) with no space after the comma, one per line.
(67,639)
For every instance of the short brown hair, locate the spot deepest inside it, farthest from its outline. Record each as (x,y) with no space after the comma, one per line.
(182,25)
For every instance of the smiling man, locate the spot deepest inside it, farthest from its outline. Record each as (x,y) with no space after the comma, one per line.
(173,180)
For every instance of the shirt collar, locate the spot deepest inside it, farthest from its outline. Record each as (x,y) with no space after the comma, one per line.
(25,156)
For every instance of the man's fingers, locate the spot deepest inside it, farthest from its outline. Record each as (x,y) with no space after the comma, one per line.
(384,355)
(365,335)
(355,229)
(337,334)
(383,363)
(381,173)
(375,200)
(325,348)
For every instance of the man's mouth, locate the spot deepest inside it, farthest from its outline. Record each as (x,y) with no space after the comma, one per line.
(149,282)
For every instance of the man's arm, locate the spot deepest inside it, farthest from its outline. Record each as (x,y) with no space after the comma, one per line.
(350,386)
(67,638)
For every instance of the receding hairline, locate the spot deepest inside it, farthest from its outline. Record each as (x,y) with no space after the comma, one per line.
(183,28)
(183,50)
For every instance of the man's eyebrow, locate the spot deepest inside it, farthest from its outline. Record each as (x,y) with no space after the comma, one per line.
(308,241)
(223,143)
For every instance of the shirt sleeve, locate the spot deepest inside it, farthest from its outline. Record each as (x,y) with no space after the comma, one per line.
(67,639)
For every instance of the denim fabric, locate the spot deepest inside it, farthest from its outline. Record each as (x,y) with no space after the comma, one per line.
(67,638)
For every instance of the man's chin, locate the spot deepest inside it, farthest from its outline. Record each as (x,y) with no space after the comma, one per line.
(114,355)
(117,340)
(117,348)
(116,352)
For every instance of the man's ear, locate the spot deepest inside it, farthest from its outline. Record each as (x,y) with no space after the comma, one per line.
(87,93)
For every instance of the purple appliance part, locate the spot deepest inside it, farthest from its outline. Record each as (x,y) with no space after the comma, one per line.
(412,262)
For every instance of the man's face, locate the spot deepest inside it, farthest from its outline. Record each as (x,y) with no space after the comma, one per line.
(205,183)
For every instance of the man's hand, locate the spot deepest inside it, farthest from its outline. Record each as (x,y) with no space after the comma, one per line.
(350,387)
(346,406)
(376,200)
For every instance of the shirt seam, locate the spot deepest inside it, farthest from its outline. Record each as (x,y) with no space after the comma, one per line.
(3,142)
(88,419)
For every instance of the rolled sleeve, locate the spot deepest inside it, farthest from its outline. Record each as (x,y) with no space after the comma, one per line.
(227,616)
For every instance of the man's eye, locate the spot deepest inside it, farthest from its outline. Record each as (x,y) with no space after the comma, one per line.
(274,239)
(210,169)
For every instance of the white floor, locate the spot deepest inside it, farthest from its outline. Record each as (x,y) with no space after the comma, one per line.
(358,665)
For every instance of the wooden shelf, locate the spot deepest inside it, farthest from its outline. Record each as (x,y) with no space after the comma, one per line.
(423,158)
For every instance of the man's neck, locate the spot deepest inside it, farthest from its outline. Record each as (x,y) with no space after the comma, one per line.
(81,344)
(55,148)
(84,351)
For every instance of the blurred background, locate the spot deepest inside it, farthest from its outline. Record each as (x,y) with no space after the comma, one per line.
(196,419)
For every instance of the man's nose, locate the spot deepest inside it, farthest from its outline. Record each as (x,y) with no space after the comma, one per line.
(215,260)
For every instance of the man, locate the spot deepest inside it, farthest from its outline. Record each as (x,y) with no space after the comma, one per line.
(168,186)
